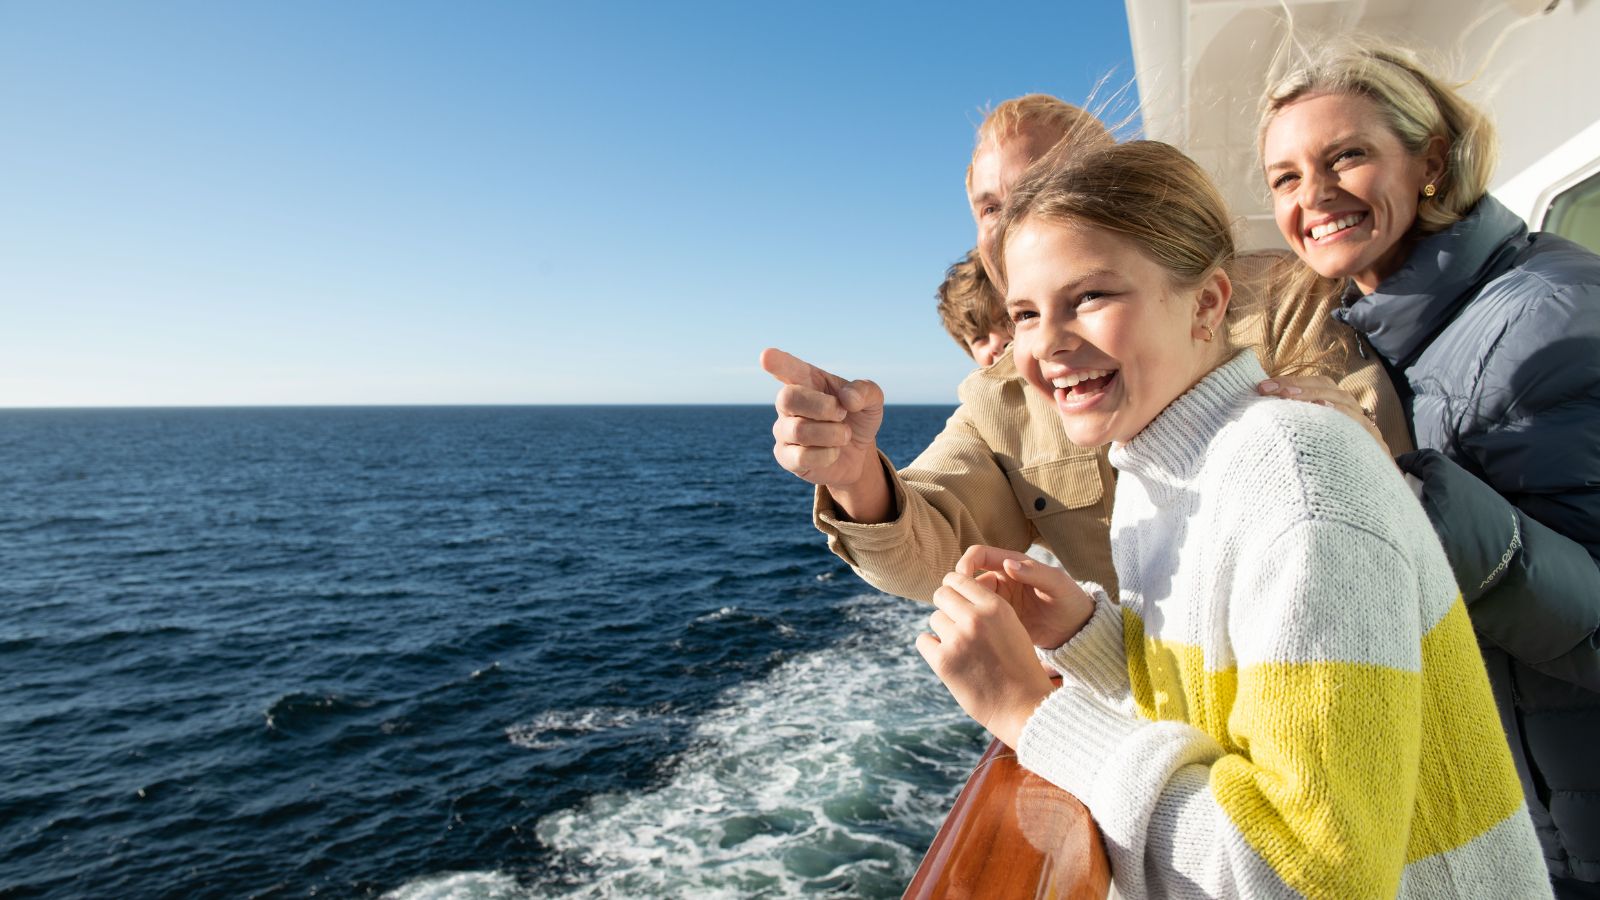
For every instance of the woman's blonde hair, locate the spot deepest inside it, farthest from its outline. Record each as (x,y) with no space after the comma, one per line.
(1152,194)
(1417,106)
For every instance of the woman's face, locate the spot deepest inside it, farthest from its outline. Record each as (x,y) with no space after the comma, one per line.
(1344,189)
(1101,330)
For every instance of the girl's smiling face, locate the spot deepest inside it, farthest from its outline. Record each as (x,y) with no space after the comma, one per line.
(1344,188)
(1102,330)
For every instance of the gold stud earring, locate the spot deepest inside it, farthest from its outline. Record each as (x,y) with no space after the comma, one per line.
(1429,190)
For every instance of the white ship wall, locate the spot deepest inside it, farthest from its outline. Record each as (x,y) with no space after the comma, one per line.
(1201,65)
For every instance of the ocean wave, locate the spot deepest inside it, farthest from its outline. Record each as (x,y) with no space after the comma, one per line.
(97,640)
(809,779)
(300,710)
(717,615)
(551,730)
(460,886)
(474,541)
(97,523)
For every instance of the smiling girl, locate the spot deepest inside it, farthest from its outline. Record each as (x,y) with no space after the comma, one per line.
(1286,698)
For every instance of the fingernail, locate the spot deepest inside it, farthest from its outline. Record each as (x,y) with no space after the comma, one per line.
(1270,387)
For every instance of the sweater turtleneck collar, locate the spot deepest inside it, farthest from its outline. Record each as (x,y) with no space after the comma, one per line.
(1172,446)
(1438,277)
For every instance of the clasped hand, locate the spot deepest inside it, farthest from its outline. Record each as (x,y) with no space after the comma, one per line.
(990,614)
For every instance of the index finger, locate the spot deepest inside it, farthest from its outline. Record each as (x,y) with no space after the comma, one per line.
(791,369)
(981,558)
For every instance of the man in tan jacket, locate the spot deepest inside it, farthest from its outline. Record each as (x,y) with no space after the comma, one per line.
(1002,471)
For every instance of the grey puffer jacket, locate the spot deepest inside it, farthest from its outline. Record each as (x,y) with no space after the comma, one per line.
(1492,336)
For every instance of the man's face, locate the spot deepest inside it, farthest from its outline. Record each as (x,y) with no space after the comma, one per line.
(998,165)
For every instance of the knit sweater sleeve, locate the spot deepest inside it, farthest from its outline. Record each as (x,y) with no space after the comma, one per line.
(1309,786)
(1094,658)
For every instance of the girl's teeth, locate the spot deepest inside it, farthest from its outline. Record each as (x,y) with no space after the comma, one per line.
(1069,381)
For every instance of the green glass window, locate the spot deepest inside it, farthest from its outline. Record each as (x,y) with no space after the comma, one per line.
(1575,213)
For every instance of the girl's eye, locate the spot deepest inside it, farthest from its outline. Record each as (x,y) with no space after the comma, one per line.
(1091,296)
(1018,315)
(989,210)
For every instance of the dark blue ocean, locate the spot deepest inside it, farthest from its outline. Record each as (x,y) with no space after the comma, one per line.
(450,652)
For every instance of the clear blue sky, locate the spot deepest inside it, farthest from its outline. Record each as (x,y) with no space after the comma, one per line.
(496,202)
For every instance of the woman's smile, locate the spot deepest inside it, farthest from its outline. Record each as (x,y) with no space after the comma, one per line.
(1344,188)
(1333,227)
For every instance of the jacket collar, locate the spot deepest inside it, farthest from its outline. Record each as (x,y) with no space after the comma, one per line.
(1004,367)
(1436,280)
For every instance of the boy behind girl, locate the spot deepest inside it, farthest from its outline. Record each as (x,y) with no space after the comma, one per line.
(973,312)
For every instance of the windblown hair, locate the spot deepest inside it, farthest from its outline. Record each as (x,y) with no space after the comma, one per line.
(1052,119)
(1143,190)
(1417,105)
(1152,194)
(969,304)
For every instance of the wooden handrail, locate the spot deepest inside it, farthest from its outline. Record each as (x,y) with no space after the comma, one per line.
(1013,834)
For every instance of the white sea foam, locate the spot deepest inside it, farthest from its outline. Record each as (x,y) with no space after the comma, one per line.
(830,774)
(460,886)
(547,730)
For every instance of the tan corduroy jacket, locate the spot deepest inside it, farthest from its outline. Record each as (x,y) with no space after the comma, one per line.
(1003,473)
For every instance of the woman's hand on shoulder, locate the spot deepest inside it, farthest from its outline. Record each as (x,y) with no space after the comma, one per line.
(1050,605)
(1324,391)
(982,653)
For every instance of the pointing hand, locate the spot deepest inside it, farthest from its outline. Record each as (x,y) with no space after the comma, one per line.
(827,427)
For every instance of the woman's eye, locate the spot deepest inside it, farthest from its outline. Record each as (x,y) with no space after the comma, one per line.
(1282,180)
(988,210)
(1345,155)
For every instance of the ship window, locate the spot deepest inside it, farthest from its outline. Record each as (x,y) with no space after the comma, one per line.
(1575,213)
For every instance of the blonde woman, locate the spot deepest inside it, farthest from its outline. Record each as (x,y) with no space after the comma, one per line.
(1286,698)
(1379,172)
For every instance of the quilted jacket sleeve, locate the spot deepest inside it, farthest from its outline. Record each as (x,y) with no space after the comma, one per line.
(1530,589)
(1518,510)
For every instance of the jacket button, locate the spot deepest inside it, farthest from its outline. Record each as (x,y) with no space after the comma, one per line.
(1039,504)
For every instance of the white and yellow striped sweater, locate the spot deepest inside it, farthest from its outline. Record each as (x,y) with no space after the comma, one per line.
(1288,699)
